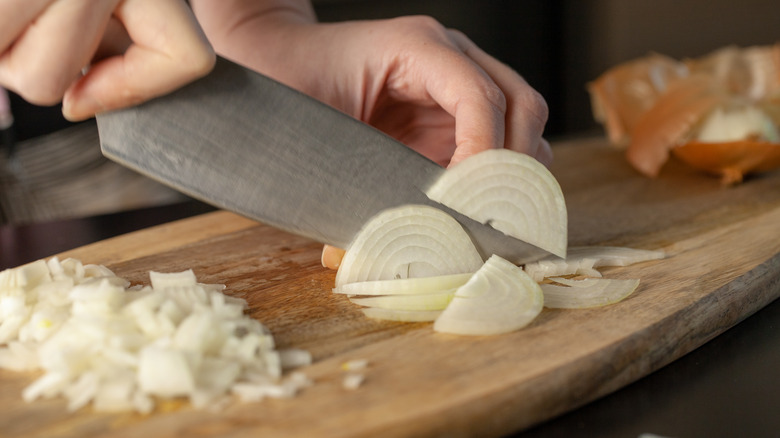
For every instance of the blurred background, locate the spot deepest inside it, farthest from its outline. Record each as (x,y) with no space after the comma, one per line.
(560,45)
(557,45)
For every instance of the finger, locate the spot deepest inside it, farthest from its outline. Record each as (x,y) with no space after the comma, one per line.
(168,50)
(544,152)
(49,55)
(527,111)
(15,16)
(435,69)
(466,92)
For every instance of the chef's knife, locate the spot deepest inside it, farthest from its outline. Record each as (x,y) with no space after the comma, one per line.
(243,142)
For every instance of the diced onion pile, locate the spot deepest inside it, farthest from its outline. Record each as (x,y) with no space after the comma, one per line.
(123,348)
(415,263)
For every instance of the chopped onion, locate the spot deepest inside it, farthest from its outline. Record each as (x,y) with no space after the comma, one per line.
(352,381)
(404,286)
(511,192)
(584,259)
(589,292)
(120,348)
(499,298)
(406,242)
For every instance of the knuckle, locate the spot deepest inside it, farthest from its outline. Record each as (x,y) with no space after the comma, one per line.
(535,105)
(495,96)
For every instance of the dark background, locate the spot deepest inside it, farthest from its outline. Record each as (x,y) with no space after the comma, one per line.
(557,45)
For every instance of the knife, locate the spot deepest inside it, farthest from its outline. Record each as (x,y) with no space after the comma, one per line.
(244,142)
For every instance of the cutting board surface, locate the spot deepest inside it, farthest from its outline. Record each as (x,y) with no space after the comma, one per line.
(723,264)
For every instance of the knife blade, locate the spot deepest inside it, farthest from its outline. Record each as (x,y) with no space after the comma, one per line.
(244,142)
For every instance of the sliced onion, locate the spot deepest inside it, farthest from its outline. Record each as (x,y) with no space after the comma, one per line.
(429,301)
(584,259)
(401,315)
(499,298)
(511,192)
(404,286)
(406,242)
(589,292)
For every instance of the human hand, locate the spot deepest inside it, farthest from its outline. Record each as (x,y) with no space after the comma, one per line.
(429,87)
(134,50)
(433,89)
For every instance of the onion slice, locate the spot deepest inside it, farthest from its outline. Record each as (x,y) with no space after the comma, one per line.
(401,315)
(589,292)
(404,286)
(499,298)
(406,242)
(511,192)
(429,301)
(583,260)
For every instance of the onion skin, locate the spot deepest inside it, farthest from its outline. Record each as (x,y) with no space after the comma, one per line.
(730,160)
(659,121)
(670,120)
(621,95)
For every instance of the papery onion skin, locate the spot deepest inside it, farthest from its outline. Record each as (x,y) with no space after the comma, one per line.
(730,160)
(726,77)
(672,117)
(622,94)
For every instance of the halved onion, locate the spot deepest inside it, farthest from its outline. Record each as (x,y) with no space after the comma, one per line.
(499,298)
(588,292)
(584,260)
(406,242)
(511,192)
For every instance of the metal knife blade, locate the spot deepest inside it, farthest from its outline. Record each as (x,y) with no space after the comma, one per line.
(243,142)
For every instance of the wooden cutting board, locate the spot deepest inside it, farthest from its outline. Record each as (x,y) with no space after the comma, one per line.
(723,265)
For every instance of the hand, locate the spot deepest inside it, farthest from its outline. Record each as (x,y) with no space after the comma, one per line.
(429,87)
(132,50)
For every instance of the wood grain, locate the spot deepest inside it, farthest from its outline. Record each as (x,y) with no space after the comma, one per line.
(723,265)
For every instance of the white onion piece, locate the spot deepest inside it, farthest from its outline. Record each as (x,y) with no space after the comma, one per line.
(429,301)
(584,259)
(401,315)
(510,191)
(589,292)
(499,298)
(404,286)
(406,242)
(99,341)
